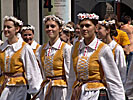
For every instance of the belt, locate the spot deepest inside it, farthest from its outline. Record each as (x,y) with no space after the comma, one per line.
(77,88)
(7,76)
(48,80)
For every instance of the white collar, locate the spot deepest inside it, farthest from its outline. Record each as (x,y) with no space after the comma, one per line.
(57,44)
(92,45)
(33,44)
(16,46)
(112,44)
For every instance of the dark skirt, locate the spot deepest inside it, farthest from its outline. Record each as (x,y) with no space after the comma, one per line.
(103,95)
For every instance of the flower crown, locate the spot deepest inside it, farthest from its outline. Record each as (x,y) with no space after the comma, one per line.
(19,22)
(68,28)
(82,16)
(104,22)
(54,18)
(30,27)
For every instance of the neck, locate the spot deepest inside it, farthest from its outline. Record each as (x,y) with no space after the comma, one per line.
(52,41)
(108,39)
(13,40)
(69,42)
(88,41)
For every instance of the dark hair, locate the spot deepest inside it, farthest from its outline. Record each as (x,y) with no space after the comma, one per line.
(126,19)
(27,29)
(113,31)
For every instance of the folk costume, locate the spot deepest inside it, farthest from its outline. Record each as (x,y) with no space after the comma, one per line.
(119,59)
(93,72)
(35,46)
(18,68)
(55,62)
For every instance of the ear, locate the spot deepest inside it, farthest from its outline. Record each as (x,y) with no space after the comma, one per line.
(17,29)
(60,29)
(108,31)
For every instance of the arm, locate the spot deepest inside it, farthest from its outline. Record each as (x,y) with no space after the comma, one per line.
(71,78)
(121,62)
(32,70)
(112,76)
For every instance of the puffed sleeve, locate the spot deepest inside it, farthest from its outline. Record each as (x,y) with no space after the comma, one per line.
(111,72)
(67,54)
(121,62)
(32,69)
(71,78)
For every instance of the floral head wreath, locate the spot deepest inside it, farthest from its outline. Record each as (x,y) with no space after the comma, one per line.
(19,22)
(68,28)
(82,16)
(54,18)
(106,22)
(30,27)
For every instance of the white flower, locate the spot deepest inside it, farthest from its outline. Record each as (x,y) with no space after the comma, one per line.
(6,18)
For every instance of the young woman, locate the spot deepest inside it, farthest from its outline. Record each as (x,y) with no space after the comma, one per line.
(93,69)
(27,33)
(18,65)
(106,32)
(54,58)
(65,35)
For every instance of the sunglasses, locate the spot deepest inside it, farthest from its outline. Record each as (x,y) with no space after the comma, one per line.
(86,25)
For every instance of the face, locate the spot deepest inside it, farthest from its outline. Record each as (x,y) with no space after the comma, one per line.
(52,29)
(87,29)
(77,30)
(10,30)
(101,32)
(63,36)
(28,36)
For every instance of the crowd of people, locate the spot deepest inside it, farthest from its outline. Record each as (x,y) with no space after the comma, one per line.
(90,60)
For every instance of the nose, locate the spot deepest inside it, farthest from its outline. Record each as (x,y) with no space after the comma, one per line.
(5,29)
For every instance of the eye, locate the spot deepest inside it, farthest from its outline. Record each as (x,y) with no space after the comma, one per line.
(87,25)
(64,31)
(52,26)
(81,26)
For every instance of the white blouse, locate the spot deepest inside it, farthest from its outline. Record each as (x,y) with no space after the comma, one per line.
(33,74)
(111,72)
(119,59)
(51,50)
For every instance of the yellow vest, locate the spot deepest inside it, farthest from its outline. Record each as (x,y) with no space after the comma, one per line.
(16,66)
(34,50)
(94,67)
(114,51)
(58,65)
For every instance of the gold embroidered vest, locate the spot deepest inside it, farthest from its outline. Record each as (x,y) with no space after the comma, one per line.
(34,50)
(54,65)
(114,51)
(94,71)
(16,67)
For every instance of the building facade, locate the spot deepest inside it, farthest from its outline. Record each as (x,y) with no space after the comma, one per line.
(33,11)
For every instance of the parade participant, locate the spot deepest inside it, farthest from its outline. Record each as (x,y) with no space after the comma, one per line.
(78,36)
(106,32)
(27,33)
(18,65)
(54,58)
(65,35)
(72,35)
(122,37)
(93,69)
